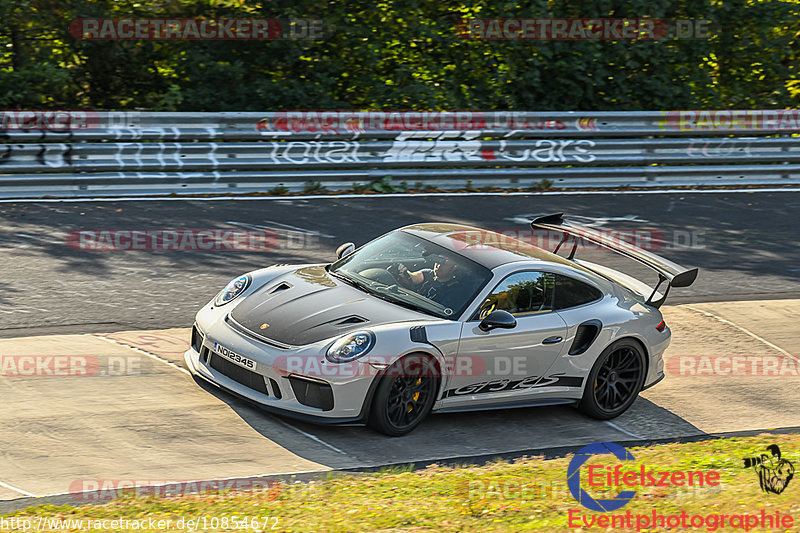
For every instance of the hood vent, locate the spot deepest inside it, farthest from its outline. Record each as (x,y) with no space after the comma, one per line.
(351,321)
(282,287)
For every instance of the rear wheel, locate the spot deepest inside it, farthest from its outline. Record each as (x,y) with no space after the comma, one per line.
(405,395)
(615,380)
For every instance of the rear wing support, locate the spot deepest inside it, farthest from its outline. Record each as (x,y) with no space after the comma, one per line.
(674,274)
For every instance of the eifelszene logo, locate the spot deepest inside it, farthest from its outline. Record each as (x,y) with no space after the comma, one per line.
(574,476)
(774,472)
(605,477)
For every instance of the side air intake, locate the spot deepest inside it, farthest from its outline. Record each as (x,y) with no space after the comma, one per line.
(585,336)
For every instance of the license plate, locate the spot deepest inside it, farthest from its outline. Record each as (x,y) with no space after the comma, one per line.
(235,357)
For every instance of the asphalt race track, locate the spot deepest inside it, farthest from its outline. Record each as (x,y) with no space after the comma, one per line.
(744,243)
(150,421)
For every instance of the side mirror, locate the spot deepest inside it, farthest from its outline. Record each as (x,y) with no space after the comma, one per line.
(498,319)
(345,249)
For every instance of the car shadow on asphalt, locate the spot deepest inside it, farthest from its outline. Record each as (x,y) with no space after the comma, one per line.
(458,438)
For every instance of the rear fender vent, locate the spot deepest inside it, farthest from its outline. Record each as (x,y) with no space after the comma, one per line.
(418,334)
(585,336)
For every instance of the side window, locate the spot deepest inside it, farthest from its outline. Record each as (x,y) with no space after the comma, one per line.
(521,294)
(570,292)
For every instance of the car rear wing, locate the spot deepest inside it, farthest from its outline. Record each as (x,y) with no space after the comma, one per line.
(672,273)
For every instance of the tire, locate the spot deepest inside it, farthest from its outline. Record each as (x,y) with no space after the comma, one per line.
(615,381)
(404,396)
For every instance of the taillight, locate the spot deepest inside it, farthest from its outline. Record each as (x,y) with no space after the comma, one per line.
(661,326)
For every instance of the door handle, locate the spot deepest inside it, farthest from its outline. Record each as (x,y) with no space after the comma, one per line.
(552,340)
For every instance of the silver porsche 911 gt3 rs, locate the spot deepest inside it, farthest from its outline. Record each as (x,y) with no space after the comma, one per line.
(439,317)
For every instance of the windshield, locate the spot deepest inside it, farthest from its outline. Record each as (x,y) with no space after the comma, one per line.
(413,272)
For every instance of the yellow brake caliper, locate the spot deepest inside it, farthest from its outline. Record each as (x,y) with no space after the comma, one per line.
(416,394)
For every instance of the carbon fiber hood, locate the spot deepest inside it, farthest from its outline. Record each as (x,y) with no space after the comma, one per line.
(309,305)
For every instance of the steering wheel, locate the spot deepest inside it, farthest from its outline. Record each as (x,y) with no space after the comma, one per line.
(380,275)
(403,279)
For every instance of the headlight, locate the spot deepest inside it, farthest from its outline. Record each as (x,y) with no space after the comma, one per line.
(232,290)
(351,347)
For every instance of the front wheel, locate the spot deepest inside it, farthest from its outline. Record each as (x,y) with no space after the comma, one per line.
(405,396)
(615,380)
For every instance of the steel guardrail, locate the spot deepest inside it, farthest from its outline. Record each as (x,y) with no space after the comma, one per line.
(65,152)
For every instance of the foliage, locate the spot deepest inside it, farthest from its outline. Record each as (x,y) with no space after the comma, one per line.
(384,185)
(542,185)
(314,187)
(399,54)
(279,190)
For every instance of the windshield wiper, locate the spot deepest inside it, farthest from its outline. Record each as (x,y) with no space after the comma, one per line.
(384,295)
(355,283)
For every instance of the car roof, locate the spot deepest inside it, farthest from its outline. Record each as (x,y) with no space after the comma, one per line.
(485,247)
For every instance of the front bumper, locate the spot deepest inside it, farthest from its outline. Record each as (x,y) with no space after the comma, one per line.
(327,393)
